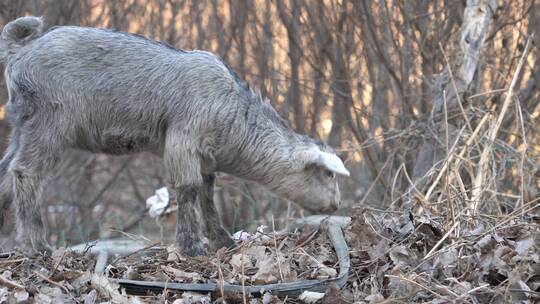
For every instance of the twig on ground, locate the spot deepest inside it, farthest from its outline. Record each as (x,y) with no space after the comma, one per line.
(135,252)
(417,284)
(51,281)
(11,284)
(277,250)
(59,262)
(244,297)
(13,261)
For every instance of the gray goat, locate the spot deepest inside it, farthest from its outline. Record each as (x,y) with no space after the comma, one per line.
(110,92)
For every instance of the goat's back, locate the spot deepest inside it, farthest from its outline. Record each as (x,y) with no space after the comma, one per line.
(101,84)
(78,57)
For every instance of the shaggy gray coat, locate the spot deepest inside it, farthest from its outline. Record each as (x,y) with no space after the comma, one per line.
(110,92)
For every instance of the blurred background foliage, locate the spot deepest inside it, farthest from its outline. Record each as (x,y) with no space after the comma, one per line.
(357,74)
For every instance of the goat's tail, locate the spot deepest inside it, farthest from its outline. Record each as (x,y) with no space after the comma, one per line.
(17,33)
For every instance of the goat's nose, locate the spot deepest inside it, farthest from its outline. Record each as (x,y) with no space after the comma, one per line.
(332,207)
(337,198)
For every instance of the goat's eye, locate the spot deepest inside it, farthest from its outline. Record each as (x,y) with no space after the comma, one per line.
(330,174)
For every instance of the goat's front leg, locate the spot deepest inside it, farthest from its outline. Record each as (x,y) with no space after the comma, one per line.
(217,235)
(189,228)
(183,165)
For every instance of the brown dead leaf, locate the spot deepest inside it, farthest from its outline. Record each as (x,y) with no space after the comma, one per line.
(193,298)
(375,298)
(485,244)
(58,254)
(268,271)
(90,298)
(182,276)
(446,262)
(524,244)
(401,257)
(399,284)
(332,295)
(174,255)
(360,235)
(326,273)
(21,296)
(239,259)
(520,291)
(268,298)
(107,288)
(254,252)
(50,295)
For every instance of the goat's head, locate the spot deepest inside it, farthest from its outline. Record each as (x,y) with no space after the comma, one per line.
(310,180)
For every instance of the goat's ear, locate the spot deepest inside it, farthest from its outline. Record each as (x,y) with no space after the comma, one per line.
(332,162)
(324,159)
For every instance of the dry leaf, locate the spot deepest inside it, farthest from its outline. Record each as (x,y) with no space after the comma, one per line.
(268,298)
(21,296)
(520,291)
(135,300)
(50,295)
(268,271)
(58,254)
(326,273)
(524,244)
(310,297)
(90,298)
(256,252)
(239,259)
(400,256)
(375,298)
(182,276)
(108,289)
(189,297)
(174,255)
(332,295)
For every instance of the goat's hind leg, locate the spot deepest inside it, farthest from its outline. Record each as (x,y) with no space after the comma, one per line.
(32,164)
(6,184)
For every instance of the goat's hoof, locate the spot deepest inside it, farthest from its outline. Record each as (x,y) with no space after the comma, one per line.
(42,248)
(226,242)
(193,250)
(27,249)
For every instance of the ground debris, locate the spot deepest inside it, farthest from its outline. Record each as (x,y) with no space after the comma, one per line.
(67,277)
(483,263)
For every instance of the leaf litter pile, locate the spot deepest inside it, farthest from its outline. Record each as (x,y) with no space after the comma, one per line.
(494,261)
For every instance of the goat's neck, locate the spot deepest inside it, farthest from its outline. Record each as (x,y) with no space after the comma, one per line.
(261,154)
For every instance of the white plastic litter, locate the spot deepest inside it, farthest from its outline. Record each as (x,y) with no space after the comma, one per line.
(241,236)
(158,203)
(244,236)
